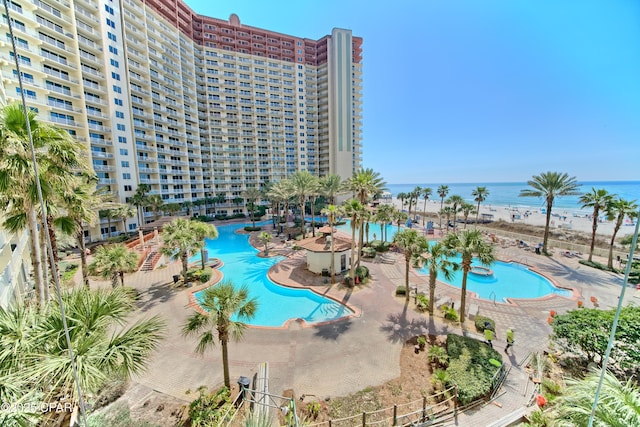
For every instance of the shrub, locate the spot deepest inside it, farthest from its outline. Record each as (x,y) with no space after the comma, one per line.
(205,275)
(313,408)
(369,252)
(438,355)
(118,239)
(221,217)
(401,291)
(208,409)
(196,274)
(470,367)
(69,272)
(205,218)
(250,228)
(362,272)
(379,245)
(597,265)
(481,320)
(450,313)
(422,302)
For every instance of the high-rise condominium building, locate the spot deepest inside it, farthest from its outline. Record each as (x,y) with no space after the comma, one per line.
(195,107)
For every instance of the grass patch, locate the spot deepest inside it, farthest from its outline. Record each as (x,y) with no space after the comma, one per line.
(366,400)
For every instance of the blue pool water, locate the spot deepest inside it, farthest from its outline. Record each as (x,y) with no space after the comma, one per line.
(276,304)
(509,280)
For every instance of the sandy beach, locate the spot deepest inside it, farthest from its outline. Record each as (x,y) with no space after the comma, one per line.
(561,218)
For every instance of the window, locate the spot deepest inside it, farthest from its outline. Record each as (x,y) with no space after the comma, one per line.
(128,188)
(114,63)
(122,139)
(124,163)
(124,152)
(111,23)
(115,75)
(120,126)
(108,9)
(117,89)
(112,36)
(120,114)
(126,176)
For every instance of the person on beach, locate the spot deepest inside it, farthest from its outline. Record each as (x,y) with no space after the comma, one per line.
(510,340)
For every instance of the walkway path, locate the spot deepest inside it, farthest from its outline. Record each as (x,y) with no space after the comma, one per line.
(346,356)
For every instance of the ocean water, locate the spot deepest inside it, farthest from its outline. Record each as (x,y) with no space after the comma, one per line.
(507,193)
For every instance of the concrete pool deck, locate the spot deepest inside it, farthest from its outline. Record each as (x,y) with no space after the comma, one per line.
(346,356)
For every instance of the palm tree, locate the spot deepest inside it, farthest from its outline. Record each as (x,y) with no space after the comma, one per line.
(383,217)
(399,217)
(455,201)
(223,303)
(252,195)
(265,238)
(598,200)
(466,209)
(181,237)
(443,190)
(401,197)
(139,200)
(618,405)
(618,209)
(480,194)
(124,212)
(447,211)
(413,195)
(332,213)
(354,210)
(172,208)
(202,232)
(304,184)
(58,157)
(80,203)
(36,353)
(550,185)
(113,261)
(330,187)
(155,202)
(188,205)
(469,243)
(426,193)
(436,259)
(413,245)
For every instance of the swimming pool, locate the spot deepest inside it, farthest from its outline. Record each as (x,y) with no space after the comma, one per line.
(276,304)
(509,279)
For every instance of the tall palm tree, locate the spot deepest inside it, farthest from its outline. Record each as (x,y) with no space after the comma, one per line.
(315,192)
(447,211)
(399,218)
(332,213)
(436,259)
(252,195)
(413,196)
(402,197)
(618,209)
(202,232)
(304,184)
(81,202)
(455,201)
(598,200)
(188,205)
(466,209)
(354,210)
(223,303)
(618,405)
(469,243)
(425,193)
(124,212)
(155,202)
(36,352)
(443,190)
(550,185)
(58,157)
(182,237)
(479,194)
(330,187)
(139,200)
(172,208)
(413,245)
(383,217)
(113,261)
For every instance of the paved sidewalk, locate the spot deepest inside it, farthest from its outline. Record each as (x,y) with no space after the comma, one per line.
(348,355)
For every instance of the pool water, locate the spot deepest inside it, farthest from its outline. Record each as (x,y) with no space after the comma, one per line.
(276,304)
(509,279)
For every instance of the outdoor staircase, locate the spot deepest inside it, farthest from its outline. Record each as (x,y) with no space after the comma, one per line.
(151,260)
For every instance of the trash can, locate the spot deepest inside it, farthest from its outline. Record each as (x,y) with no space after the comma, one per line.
(243,385)
(176,277)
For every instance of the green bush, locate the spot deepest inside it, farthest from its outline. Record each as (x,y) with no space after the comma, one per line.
(221,217)
(199,275)
(208,409)
(118,239)
(401,290)
(422,302)
(450,313)
(369,252)
(205,218)
(69,271)
(470,367)
(250,228)
(597,265)
(379,245)
(481,320)
(362,272)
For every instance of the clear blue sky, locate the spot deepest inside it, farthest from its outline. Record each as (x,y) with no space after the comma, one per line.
(483,91)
